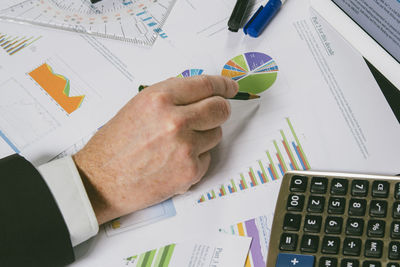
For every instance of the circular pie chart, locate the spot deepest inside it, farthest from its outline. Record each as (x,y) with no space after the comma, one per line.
(255,72)
(190,73)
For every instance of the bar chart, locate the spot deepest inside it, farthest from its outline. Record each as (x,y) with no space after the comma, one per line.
(282,155)
(13,44)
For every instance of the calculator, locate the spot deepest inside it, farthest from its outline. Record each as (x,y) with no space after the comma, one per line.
(327,219)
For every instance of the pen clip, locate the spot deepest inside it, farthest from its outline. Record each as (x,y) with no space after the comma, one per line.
(252,19)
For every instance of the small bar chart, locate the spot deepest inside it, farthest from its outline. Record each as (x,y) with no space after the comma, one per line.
(284,154)
(14,44)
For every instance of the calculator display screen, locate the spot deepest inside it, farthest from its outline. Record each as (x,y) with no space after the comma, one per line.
(379,18)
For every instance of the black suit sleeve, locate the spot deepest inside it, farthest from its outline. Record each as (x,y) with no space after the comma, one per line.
(32,229)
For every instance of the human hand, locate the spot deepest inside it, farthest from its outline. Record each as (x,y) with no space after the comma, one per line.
(157,146)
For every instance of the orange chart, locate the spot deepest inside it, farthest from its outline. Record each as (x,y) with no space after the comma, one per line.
(57,86)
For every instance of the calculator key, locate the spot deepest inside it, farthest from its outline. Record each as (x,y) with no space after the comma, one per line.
(350,263)
(330,245)
(309,243)
(395,230)
(393,264)
(352,246)
(316,204)
(288,242)
(336,205)
(371,264)
(295,202)
(359,188)
(328,262)
(296,260)
(394,250)
(291,222)
(298,184)
(319,185)
(354,226)
(373,248)
(397,191)
(333,225)
(378,208)
(376,228)
(357,207)
(396,210)
(339,186)
(380,189)
(312,224)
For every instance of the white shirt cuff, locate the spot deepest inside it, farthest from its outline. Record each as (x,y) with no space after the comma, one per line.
(65,183)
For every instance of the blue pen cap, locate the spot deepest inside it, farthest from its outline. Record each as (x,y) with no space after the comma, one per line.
(262,17)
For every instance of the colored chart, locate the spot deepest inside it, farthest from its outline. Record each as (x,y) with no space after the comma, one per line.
(14,44)
(190,73)
(57,86)
(155,258)
(255,72)
(259,229)
(284,154)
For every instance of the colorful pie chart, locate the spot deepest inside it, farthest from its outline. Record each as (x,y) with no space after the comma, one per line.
(190,73)
(255,72)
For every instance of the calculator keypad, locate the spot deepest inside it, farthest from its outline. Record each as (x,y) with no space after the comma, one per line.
(338,221)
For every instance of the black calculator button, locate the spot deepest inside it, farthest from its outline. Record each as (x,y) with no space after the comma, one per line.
(397,191)
(380,189)
(359,188)
(394,250)
(352,246)
(357,207)
(373,248)
(339,186)
(336,205)
(328,262)
(292,222)
(378,208)
(330,245)
(350,263)
(371,264)
(288,242)
(295,202)
(319,185)
(316,204)
(298,184)
(393,264)
(309,243)
(396,210)
(354,226)
(312,224)
(333,225)
(395,230)
(376,228)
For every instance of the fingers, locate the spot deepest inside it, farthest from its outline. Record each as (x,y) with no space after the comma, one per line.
(192,89)
(204,162)
(207,114)
(207,140)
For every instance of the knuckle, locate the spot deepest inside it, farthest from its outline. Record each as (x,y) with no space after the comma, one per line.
(175,123)
(206,83)
(159,99)
(222,107)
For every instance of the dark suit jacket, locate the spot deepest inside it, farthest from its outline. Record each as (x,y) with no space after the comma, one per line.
(32,229)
